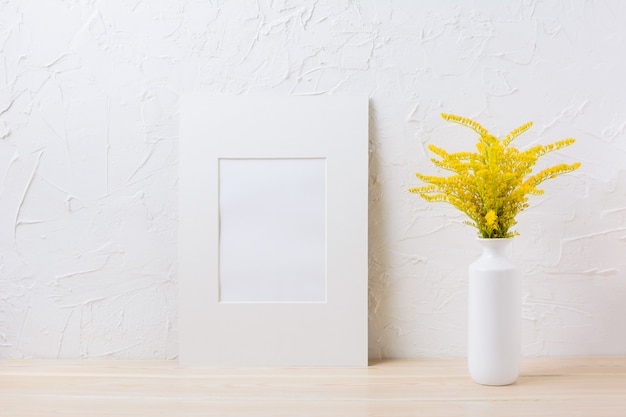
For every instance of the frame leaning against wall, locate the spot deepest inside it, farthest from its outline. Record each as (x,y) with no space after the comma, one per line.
(239,304)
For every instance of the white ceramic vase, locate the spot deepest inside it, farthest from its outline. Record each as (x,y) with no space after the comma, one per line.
(494,316)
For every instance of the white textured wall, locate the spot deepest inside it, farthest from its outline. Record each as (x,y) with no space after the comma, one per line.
(88,158)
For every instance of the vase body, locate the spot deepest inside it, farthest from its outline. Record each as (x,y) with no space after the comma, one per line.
(494,316)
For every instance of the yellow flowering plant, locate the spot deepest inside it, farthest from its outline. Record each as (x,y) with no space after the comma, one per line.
(491,186)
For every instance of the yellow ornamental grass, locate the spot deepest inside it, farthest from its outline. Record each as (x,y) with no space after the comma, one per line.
(491,186)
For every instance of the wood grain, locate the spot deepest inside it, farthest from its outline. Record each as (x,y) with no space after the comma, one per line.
(547,387)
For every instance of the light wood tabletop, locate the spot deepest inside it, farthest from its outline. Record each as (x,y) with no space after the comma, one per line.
(547,387)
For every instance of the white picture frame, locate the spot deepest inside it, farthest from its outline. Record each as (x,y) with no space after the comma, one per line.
(321,141)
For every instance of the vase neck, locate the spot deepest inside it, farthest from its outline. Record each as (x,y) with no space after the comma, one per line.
(494,247)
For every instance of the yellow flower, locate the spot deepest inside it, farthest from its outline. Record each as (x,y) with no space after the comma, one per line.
(490,186)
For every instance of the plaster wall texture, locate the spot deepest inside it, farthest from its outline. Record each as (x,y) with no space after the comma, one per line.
(89,96)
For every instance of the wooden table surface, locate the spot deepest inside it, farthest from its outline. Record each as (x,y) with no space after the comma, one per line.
(591,387)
